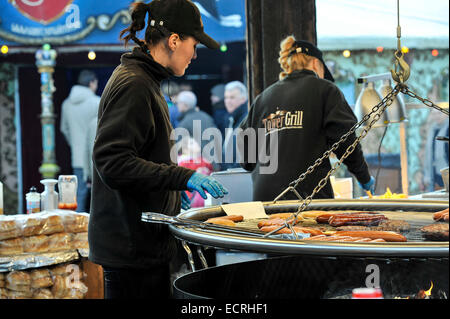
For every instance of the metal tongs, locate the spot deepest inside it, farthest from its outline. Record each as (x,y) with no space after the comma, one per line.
(158,218)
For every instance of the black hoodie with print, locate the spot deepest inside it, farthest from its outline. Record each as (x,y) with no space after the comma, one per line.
(308,115)
(133,170)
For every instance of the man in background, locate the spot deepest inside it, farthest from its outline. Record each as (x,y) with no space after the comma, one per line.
(236,97)
(77,112)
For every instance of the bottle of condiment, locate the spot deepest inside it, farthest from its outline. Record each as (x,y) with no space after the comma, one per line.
(49,197)
(33,199)
(367,293)
(67,187)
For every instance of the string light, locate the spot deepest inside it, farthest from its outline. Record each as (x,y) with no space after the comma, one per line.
(405,49)
(223,48)
(4,49)
(434,52)
(346,53)
(91,55)
(380,49)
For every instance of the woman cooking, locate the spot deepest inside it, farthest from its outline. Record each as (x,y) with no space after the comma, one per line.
(133,170)
(307,113)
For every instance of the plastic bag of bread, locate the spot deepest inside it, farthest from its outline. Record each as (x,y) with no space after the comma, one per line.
(62,269)
(59,241)
(80,241)
(36,244)
(75,222)
(33,225)
(42,293)
(41,278)
(52,224)
(11,247)
(9,227)
(19,281)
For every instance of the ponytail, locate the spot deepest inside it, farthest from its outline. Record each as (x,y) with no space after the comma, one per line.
(138,13)
(153,34)
(290,61)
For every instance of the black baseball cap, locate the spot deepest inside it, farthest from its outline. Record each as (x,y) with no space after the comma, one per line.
(310,49)
(180,16)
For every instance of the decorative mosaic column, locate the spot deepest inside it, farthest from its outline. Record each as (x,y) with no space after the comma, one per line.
(45,61)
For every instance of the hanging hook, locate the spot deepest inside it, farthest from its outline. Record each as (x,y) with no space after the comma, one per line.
(402,75)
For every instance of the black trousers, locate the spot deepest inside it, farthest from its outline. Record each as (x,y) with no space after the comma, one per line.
(121,283)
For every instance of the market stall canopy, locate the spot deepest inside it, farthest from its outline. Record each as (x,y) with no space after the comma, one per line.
(365,24)
(82,23)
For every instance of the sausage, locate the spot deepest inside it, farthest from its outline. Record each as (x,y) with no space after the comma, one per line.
(285,216)
(313,213)
(274,221)
(389,236)
(235,218)
(286,230)
(325,217)
(361,219)
(268,229)
(441,215)
(220,221)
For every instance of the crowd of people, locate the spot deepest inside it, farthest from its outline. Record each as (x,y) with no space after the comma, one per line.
(229,106)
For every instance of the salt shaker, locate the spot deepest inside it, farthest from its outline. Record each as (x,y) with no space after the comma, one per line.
(49,197)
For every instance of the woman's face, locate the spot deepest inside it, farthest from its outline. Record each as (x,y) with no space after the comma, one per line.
(182,54)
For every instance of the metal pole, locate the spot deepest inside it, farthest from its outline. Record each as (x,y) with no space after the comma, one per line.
(45,62)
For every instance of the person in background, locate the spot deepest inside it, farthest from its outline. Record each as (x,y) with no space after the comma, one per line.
(307,114)
(218,107)
(436,155)
(191,157)
(191,116)
(133,169)
(170,90)
(236,97)
(78,110)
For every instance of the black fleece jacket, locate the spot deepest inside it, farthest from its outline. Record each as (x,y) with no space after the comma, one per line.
(133,171)
(309,115)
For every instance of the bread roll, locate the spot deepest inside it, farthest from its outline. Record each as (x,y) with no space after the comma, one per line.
(42,294)
(53,224)
(60,270)
(59,288)
(36,244)
(80,241)
(40,278)
(18,281)
(33,226)
(9,228)
(75,222)
(15,294)
(11,247)
(59,241)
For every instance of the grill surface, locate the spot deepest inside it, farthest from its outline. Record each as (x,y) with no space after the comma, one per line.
(416,213)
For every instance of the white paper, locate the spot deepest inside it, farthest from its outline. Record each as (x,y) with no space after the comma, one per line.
(250,210)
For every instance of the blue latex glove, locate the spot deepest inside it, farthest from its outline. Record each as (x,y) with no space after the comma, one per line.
(369,186)
(185,201)
(201,183)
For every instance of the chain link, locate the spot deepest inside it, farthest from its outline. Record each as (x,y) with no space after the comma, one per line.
(388,100)
(407,91)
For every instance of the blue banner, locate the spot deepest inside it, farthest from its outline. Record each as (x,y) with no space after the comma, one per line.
(87,22)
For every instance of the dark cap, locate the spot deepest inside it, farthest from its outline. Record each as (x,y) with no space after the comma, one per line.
(310,49)
(180,16)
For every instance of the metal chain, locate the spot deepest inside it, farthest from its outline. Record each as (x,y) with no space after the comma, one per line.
(406,90)
(387,100)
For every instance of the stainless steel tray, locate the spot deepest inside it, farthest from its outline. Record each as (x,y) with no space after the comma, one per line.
(227,240)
